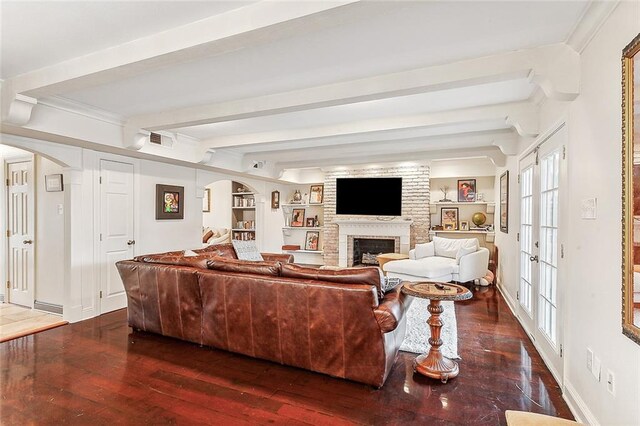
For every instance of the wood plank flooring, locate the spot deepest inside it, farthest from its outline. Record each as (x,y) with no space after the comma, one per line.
(99,372)
(18,321)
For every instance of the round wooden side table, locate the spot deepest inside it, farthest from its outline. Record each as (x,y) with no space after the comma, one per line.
(434,364)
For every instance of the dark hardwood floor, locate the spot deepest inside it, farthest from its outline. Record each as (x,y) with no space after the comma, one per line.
(99,372)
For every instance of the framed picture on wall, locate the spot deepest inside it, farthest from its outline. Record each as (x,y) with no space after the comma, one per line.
(317,194)
(169,202)
(504,202)
(311,241)
(311,222)
(466,190)
(275,200)
(449,218)
(206,201)
(297,218)
(464,225)
(53,183)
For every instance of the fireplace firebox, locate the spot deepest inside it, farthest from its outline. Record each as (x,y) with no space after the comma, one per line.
(365,250)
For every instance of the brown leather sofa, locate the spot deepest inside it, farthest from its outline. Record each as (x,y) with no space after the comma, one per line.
(333,322)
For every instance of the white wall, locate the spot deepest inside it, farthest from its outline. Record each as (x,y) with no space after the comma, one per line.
(49,242)
(454,168)
(220,214)
(592,303)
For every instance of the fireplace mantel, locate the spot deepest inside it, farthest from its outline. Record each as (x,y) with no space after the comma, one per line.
(372,228)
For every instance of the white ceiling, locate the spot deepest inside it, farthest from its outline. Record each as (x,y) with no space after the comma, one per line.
(355,41)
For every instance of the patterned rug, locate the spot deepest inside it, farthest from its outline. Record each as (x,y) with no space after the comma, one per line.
(418,331)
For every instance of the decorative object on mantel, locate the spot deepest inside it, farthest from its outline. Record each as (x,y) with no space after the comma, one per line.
(464,225)
(504,202)
(445,192)
(479,218)
(53,183)
(290,247)
(169,202)
(466,190)
(316,222)
(305,199)
(275,200)
(317,194)
(297,197)
(310,222)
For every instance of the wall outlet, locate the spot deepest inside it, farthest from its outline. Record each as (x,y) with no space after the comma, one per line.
(596,368)
(590,360)
(610,382)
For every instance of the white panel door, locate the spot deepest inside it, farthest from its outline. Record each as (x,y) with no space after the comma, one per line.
(116,230)
(541,176)
(21,232)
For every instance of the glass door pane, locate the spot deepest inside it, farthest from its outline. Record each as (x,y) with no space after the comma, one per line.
(526,238)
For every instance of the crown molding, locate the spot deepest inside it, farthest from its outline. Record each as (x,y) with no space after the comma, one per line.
(594,15)
(79,108)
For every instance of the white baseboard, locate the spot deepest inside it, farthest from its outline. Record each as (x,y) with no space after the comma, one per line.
(578,407)
(507,297)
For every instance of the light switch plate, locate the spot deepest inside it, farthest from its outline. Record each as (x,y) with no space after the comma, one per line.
(589,208)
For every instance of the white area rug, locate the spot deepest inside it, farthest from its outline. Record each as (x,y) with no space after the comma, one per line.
(418,331)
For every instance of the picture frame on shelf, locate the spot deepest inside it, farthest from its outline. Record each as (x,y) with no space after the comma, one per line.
(464,225)
(449,218)
(317,194)
(53,183)
(504,202)
(206,201)
(310,222)
(275,200)
(311,240)
(297,218)
(169,202)
(466,190)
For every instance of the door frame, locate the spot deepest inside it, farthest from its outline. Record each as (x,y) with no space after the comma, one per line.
(27,157)
(562,256)
(97,201)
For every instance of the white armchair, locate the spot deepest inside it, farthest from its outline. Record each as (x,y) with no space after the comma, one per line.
(442,259)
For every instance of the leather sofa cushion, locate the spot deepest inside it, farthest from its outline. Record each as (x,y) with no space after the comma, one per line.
(367,275)
(245,266)
(282,257)
(428,267)
(178,260)
(219,250)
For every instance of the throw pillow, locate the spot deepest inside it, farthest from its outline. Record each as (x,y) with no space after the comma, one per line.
(207,236)
(190,253)
(463,251)
(247,250)
(242,266)
(424,250)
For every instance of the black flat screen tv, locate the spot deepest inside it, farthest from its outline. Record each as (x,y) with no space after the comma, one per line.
(369,196)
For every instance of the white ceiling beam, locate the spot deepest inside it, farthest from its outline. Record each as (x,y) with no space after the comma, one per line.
(256,23)
(523,116)
(555,68)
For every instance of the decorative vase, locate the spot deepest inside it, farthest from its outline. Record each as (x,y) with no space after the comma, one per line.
(297,196)
(479,218)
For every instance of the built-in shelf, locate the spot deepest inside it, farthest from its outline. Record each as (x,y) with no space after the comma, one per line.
(242,193)
(245,208)
(315,228)
(442,231)
(462,203)
(304,251)
(243,230)
(302,205)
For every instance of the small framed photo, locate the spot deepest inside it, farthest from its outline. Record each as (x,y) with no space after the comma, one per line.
(449,218)
(466,190)
(275,200)
(464,225)
(206,201)
(53,183)
(317,194)
(311,241)
(297,218)
(169,202)
(311,222)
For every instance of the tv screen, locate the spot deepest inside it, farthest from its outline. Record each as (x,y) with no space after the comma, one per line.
(369,196)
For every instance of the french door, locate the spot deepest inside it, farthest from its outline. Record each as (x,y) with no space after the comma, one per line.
(542,174)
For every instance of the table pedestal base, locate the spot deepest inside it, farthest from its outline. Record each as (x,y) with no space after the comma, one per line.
(434,364)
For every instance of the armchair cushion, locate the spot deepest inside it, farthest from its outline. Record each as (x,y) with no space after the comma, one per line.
(448,247)
(463,251)
(428,267)
(424,250)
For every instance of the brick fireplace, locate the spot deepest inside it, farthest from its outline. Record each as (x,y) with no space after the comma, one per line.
(398,231)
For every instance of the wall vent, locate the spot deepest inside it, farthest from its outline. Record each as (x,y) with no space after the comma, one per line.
(155,138)
(162,139)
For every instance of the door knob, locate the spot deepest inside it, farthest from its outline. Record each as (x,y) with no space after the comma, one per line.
(27,242)
(534,258)
(131,242)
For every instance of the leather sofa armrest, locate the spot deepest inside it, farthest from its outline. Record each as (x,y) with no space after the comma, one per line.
(282,257)
(391,309)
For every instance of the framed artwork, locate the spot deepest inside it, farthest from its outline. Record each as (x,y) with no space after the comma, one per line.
(311,241)
(317,194)
(464,225)
(206,201)
(504,202)
(53,183)
(449,218)
(297,218)
(466,190)
(169,202)
(275,200)
(311,222)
